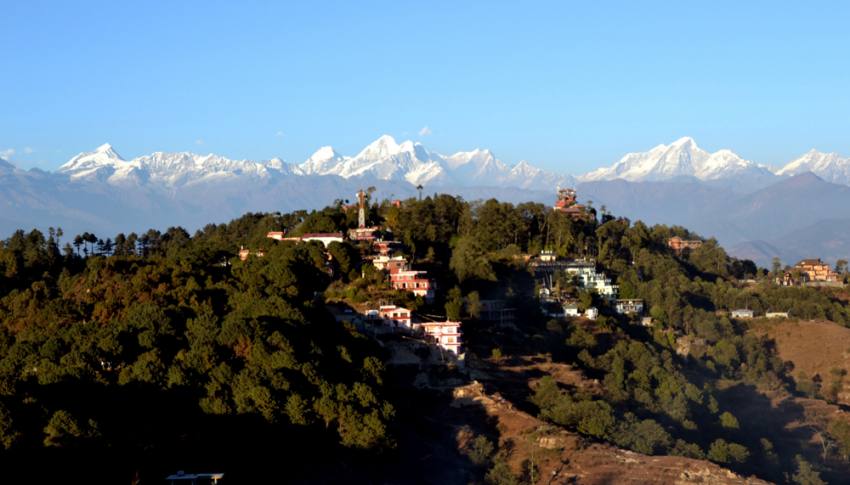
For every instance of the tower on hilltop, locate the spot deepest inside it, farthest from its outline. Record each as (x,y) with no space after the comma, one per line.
(361,208)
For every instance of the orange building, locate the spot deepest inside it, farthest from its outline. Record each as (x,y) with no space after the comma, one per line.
(244,253)
(679,245)
(816,270)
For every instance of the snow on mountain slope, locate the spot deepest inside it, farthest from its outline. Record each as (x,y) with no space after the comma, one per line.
(321,161)
(386,159)
(100,164)
(681,158)
(383,159)
(831,167)
(165,169)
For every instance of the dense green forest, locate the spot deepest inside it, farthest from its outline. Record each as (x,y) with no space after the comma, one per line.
(164,350)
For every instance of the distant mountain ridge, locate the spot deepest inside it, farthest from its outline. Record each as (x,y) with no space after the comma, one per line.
(384,159)
(801,216)
(831,167)
(411,162)
(681,158)
(795,211)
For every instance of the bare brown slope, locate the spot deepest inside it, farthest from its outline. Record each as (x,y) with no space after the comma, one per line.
(814,347)
(565,457)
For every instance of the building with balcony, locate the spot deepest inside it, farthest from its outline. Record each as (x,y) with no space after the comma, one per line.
(445,334)
(416,282)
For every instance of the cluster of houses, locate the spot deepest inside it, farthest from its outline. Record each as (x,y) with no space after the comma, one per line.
(590,279)
(810,272)
(401,276)
(587,277)
(444,334)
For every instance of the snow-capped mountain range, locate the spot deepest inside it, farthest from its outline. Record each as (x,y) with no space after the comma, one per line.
(168,169)
(682,158)
(831,167)
(385,159)
(744,204)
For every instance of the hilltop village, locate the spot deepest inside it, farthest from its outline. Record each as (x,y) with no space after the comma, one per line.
(461,342)
(564,287)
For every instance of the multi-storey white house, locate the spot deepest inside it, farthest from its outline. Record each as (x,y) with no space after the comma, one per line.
(445,334)
(588,278)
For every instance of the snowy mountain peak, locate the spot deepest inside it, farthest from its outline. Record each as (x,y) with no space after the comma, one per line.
(103,161)
(322,160)
(685,141)
(384,146)
(831,167)
(408,161)
(682,158)
(324,153)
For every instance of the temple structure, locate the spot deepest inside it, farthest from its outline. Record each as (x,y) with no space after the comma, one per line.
(815,270)
(568,204)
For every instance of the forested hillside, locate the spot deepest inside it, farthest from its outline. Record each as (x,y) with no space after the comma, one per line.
(128,357)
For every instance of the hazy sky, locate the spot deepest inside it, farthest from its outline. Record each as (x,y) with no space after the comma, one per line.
(566,85)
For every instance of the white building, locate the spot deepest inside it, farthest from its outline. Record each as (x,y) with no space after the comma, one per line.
(591,313)
(629,307)
(322,237)
(395,316)
(588,278)
(391,264)
(571,310)
(446,334)
(326,238)
(742,313)
(776,314)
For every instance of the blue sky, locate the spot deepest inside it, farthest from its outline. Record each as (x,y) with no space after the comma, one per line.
(566,85)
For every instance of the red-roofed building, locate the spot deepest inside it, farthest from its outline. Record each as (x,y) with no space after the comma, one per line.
(395,316)
(568,204)
(276,235)
(363,233)
(416,282)
(385,248)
